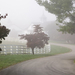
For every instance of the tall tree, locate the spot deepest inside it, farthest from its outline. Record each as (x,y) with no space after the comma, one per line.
(37,39)
(64,11)
(3,30)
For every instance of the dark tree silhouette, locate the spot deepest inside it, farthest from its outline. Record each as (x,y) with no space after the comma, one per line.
(3,30)
(37,39)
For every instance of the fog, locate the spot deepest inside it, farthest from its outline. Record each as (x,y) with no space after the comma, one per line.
(22,13)
(55,52)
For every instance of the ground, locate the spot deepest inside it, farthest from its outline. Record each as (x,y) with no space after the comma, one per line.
(61,64)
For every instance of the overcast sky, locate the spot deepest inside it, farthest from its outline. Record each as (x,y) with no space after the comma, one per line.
(23,12)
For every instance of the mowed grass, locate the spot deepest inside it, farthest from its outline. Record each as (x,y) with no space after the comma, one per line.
(74,61)
(8,60)
(58,50)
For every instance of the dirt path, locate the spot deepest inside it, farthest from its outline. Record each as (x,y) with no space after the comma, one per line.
(54,65)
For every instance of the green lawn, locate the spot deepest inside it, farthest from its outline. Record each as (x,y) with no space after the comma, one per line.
(58,50)
(7,60)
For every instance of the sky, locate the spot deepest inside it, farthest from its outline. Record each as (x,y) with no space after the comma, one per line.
(22,13)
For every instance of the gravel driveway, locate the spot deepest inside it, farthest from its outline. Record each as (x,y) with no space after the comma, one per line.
(61,64)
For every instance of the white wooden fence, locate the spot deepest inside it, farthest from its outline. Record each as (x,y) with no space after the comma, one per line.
(21,49)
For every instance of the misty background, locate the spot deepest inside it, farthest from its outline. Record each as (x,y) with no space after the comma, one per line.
(22,14)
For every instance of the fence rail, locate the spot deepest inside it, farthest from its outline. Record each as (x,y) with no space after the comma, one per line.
(21,49)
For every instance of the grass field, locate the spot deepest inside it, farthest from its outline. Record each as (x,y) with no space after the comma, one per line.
(58,50)
(8,60)
(74,61)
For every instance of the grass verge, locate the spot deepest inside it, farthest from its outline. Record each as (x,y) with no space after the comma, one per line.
(8,60)
(74,61)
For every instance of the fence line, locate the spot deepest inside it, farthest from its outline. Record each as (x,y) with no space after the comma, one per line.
(21,49)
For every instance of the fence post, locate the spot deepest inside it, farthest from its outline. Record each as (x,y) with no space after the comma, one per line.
(16,49)
(5,52)
(11,49)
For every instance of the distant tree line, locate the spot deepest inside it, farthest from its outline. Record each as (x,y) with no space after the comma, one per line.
(64,10)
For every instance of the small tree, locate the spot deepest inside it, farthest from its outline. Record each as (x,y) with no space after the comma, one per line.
(3,30)
(37,39)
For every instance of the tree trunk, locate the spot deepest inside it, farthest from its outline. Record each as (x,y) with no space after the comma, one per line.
(0,50)
(33,51)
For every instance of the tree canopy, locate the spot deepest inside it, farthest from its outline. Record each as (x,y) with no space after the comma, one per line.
(3,30)
(36,39)
(64,11)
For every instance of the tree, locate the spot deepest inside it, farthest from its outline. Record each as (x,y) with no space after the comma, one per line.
(64,11)
(36,39)
(3,30)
